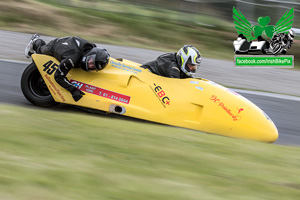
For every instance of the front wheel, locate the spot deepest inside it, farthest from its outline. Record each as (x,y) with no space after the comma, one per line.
(34,87)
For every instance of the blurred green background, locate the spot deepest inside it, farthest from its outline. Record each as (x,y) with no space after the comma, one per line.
(164,25)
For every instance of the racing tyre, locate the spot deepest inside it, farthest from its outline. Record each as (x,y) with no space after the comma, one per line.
(34,87)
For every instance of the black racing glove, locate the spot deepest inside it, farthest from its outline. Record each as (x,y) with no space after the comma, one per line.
(77,94)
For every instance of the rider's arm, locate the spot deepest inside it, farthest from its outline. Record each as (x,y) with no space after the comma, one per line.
(173,71)
(150,66)
(60,75)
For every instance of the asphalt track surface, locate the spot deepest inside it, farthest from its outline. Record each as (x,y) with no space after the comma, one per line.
(281,81)
(284,110)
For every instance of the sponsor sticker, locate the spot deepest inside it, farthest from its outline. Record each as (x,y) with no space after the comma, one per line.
(194,82)
(161,95)
(125,67)
(199,88)
(235,115)
(101,92)
(54,89)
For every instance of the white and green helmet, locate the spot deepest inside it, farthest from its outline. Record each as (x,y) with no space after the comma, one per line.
(188,54)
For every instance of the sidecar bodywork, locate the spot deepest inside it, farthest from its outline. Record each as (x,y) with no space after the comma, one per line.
(126,89)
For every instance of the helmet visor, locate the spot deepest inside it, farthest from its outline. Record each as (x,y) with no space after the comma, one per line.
(101,64)
(90,62)
(93,65)
(193,65)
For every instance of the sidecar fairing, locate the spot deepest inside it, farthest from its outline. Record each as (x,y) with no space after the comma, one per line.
(126,89)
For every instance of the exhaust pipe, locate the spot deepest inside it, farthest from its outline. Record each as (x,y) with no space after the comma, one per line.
(117,109)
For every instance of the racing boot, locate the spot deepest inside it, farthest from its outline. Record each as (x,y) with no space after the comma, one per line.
(29,48)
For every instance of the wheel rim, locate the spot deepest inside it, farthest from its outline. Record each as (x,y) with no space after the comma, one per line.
(37,85)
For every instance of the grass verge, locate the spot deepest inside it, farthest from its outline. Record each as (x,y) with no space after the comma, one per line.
(60,155)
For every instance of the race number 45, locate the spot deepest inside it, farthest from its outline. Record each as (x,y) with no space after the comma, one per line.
(50,67)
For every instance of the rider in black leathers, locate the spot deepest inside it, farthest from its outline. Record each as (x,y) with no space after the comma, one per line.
(182,64)
(72,52)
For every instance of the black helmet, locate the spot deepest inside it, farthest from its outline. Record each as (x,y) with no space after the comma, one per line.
(95,59)
(188,55)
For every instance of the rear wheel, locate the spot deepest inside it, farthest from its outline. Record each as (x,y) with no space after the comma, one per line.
(34,87)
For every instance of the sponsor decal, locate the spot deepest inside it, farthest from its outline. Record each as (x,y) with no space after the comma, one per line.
(101,92)
(235,117)
(49,68)
(54,89)
(125,67)
(199,88)
(194,82)
(161,95)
